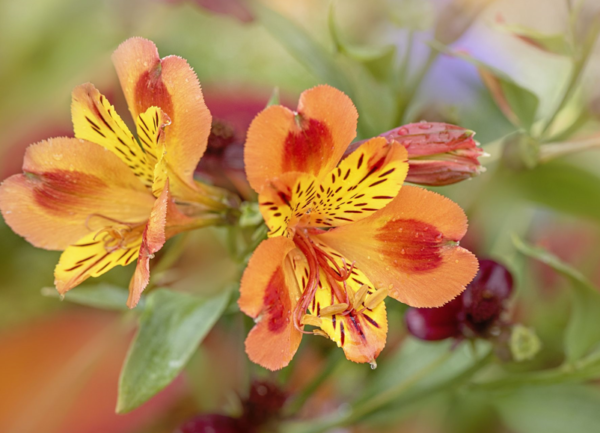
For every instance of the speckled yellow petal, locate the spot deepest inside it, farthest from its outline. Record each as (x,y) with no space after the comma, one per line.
(360,331)
(95,120)
(284,200)
(363,183)
(96,254)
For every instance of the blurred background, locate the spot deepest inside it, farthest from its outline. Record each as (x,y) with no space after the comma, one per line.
(60,361)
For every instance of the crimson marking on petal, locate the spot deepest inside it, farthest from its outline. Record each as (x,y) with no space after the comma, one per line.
(89,244)
(377,183)
(276,302)
(305,149)
(150,90)
(360,161)
(86,259)
(391,170)
(383,197)
(333,321)
(371,320)
(342,333)
(103,267)
(414,245)
(74,267)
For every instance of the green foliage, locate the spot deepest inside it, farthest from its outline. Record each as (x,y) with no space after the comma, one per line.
(555,43)
(103,295)
(558,185)
(551,409)
(581,334)
(518,104)
(300,45)
(171,327)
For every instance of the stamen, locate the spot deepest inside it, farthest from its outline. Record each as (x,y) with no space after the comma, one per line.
(376,298)
(309,319)
(334,309)
(359,296)
(321,333)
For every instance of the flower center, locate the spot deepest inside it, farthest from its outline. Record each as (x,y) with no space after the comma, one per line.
(321,263)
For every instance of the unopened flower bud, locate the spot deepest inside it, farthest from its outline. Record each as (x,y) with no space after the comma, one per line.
(438,153)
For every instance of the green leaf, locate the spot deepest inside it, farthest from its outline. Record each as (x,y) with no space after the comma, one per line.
(559,185)
(171,327)
(582,333)
(554,43)
(379,61)
(552,409)
(412,357)
(104,296)
(518,104)
(300,45)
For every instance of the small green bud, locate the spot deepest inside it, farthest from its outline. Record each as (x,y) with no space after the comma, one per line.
(524,343)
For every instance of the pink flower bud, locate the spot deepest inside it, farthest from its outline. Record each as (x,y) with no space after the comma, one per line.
(438,153)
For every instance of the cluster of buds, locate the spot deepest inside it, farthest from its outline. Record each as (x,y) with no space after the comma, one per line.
(261,408)
(438,153)
(477,313)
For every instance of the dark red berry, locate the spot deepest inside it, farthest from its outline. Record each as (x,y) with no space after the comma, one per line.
(212,423)
(483,301)
(435,323)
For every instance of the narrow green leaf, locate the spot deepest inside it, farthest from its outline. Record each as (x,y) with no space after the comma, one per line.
(582,333)
(299,44)
(551,42)
(274,99)
(171,327)
(522,104)
(104,296)
(551,409)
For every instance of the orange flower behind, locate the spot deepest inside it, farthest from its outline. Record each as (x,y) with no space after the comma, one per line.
(105,198)
(343,234)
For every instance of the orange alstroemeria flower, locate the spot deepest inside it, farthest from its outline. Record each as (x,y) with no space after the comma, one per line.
(343,235)
(105,198)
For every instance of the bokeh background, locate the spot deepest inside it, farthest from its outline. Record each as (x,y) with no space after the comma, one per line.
(59,361)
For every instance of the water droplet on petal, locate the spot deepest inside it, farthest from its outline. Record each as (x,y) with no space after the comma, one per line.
(373,364)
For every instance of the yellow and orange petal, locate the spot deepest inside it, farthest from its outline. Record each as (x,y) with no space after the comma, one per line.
(70,188)
(410,248)
(153,239)
(312,140)
(362,184)
(362,332)
(97,253)
(171,85)
(95,120)
(268,294)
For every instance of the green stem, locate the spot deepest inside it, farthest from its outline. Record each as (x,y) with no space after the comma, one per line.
(405,99)
(391,394)
(388,396)
(586,369)
(579,63)
(332,364)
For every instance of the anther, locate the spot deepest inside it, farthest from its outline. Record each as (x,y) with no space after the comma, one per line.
(376,298)
(309,319)
(334,309)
